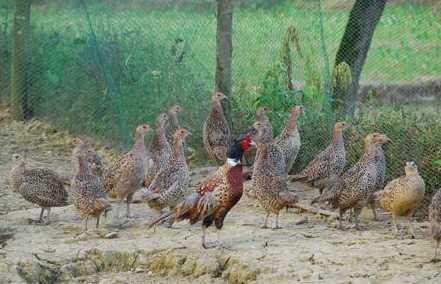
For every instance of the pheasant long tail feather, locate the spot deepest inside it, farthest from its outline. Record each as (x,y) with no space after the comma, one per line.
(161,219)
(180,212)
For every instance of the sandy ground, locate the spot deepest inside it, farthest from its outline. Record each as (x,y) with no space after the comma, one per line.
(308,249)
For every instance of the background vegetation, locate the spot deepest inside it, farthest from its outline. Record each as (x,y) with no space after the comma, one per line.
(99,69)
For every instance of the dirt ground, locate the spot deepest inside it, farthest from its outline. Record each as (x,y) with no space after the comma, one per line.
(308,249)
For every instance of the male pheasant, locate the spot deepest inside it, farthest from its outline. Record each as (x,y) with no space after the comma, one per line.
(212,201)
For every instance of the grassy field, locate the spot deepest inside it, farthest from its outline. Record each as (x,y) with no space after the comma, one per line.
(405,45)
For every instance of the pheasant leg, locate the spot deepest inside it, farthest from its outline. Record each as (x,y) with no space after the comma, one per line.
(394,221)
(435,258)
(220,243)
(340,219)
(85,224)
(411,229)
(98,221)
(48,215)
(204,243)
(374,211)
(357,212)
(41,215)
(265,224)
(276,223)
(129,200)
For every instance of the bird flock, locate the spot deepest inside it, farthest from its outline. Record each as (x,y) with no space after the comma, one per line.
(160,170)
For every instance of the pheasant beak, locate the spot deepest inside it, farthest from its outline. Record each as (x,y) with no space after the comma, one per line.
(253,143)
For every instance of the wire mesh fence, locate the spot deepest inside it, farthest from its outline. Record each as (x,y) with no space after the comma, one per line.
(99,68)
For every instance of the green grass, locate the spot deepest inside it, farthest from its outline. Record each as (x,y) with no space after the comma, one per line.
(405,45)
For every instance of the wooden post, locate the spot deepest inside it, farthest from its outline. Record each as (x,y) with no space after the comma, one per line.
(224,51)
(19,66)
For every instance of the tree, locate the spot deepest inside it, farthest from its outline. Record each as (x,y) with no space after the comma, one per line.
(353,50)
(19,78)
(224,50)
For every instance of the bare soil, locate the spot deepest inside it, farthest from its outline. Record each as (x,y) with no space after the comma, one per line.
(308,249)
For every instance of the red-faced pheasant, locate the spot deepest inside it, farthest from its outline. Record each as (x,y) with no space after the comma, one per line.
(327,166)
(354,189)
(126,175)
(170,186)
(42,187)
(403,195)
(216,132)
(435,221)
(269,179)
(159,148)
(289,139)
(212,201)
(87,190)
(94,161)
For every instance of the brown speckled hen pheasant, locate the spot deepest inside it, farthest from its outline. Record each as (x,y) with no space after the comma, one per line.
(261,116)
(126,175)
(216,132)
(159,148)
(328,165)
(42,187)
(354,189)
(212,201)
(173,124)
(269,179)
(170,185)
(289,139)
(94,161)
(435,221)
(403,195)
(87,190)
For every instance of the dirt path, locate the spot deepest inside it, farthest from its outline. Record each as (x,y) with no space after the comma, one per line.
(308,249)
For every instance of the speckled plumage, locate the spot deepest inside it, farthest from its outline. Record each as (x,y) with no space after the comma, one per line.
(328,165)
(269,180)
(216,132)
(289,139)
(170,186)
(354,189)
(126,175)
(261,116)
(94,161)
(435,220)
(173,122)
(159,149)
(214,198)
(87,189)
(403,195)
(42,187)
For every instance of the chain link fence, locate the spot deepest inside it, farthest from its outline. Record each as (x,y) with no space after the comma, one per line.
(101,67)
